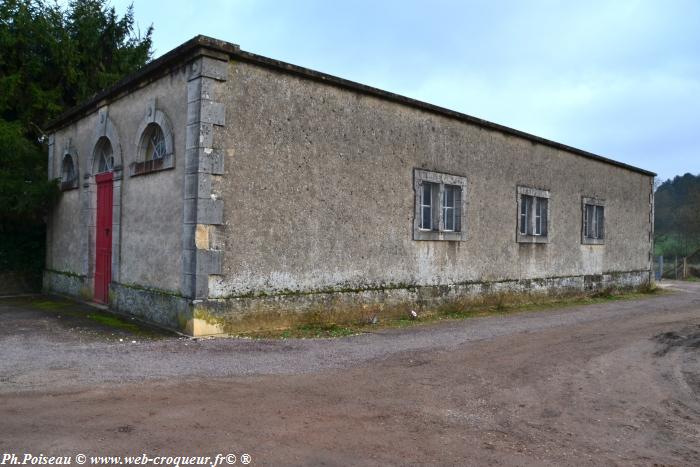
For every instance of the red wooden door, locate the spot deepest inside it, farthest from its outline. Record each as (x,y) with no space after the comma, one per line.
(103,237)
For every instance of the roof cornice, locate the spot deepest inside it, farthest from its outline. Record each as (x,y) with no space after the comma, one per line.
(203,45)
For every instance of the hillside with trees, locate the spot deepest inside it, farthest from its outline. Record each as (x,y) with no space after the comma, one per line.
(52,57)
(677,216)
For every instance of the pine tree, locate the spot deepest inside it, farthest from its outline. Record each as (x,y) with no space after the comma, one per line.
(51,58)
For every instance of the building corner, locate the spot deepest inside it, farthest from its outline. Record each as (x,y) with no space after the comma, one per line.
(204,167)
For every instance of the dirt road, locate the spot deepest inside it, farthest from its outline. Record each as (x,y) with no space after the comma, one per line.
(610,384)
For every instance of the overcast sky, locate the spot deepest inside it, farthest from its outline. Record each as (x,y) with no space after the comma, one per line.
(617,78)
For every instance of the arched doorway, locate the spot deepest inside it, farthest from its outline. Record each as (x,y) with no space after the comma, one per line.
(103,161)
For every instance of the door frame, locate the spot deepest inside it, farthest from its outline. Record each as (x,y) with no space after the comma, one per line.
(104,128)
(101,288)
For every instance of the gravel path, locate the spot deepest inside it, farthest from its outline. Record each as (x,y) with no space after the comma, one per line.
(616,383)
(39,352)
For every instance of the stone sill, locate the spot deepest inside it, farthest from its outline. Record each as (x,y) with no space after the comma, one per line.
(147,167)
(426,235)
(67,186)
(532,238)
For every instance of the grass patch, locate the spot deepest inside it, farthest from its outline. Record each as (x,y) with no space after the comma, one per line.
(108,320)
(116,323)
(123,324)
(499,305)
(318,330)
(50,305)
(304,331)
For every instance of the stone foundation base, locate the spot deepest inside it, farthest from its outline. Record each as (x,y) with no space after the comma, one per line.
(66,283)
(240,314)
(160,307)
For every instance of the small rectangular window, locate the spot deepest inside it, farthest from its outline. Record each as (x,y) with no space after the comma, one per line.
(440,203)
(533,215)
(593,221)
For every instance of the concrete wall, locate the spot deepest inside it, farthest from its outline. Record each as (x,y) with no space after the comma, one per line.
(318,195)
(148,209)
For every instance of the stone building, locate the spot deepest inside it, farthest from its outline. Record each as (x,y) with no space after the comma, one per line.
(216,187)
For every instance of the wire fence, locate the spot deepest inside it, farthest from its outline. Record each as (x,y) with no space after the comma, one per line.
(677,267)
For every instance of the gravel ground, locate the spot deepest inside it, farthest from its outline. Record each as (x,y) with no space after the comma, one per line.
(615,383)
(39,351)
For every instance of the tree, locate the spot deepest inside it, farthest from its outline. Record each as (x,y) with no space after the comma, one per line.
(677,215)
(51,58)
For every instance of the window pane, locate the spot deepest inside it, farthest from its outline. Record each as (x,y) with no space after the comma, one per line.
(68,171)
(426,197)
(458,209)
(160,148)
(155,147)
(599,221)
(448,216)
(543,203)
(449,199)
(104,155)
(594,222)
(426,206)
(426,217)
(590,221)
(448,207)
(523,214)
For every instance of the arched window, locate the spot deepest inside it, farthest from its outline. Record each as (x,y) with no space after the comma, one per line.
(69,174)
(104,156)
(155,146)
(155,142)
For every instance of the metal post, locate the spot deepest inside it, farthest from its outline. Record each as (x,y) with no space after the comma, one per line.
(685,267)
(660,271)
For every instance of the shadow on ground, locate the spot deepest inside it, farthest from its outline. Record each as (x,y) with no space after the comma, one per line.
(55,315)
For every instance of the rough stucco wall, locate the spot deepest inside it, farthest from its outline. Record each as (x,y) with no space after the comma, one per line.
(64,252)
(319,194)
(152,203)
(66,234)
(151,222)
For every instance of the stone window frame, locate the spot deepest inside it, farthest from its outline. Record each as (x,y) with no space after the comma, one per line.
(142,166)
(74,182)
(105,129)
(535,193)
(421,176)
(587,200)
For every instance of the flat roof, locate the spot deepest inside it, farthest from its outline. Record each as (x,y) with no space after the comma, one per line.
(200,43)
